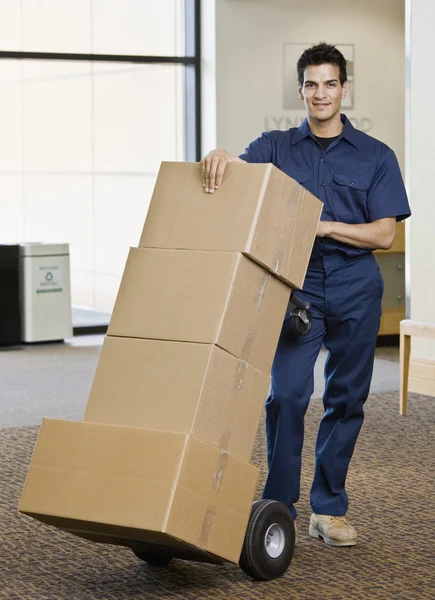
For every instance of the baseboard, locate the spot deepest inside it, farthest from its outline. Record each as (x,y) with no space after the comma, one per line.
(422,376)
(390,322)
(90,330)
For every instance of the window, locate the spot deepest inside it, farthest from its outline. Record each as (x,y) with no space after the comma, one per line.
(95,94)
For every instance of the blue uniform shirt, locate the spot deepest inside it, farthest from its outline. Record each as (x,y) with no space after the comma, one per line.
(357,178)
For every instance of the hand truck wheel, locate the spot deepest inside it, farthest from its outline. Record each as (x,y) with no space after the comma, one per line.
(157,559)
(269,541)
(299,311)
(301,323)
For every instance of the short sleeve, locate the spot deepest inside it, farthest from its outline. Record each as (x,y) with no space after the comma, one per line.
(387,195)
(259,151)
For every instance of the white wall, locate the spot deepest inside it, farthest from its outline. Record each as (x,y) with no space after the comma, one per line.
(248,64)
(420,168)
(81,143)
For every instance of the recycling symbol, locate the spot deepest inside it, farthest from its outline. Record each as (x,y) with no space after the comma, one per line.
(48,276)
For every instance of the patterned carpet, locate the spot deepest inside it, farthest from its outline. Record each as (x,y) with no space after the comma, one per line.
(391,488)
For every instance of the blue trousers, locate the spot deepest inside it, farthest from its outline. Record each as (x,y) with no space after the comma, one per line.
(345,295)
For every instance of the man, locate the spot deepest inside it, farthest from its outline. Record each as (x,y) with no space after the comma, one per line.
(359,181)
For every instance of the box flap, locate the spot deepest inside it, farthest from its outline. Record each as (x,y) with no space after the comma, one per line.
(181,215)
(289,217)
(309,211)
(254,315)
(116,475)
(231,405)
(152,384)
(213,500)
(173,294)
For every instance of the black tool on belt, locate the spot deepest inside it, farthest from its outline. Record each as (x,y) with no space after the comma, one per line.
(300,314)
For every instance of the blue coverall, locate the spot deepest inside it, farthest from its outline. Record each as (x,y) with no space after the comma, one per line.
(359,181)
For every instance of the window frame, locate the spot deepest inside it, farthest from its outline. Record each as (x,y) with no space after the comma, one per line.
(192,72)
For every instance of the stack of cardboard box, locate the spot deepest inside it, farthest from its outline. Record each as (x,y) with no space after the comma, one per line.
(162,455)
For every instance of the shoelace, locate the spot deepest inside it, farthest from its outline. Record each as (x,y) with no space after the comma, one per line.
(342,519)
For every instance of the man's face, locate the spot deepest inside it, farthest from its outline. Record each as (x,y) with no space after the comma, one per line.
(322,92)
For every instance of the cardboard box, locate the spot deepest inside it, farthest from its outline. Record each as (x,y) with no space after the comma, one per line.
(258,210)
(182,387)
(218,298)
(134,486)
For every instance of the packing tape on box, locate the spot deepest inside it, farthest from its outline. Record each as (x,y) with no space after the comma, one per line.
(225,439)
(292,207)
(207,524)
(245,352)
(286,225)
(258,303)
(279,255)
(239,377)
(210,513)
(220,469)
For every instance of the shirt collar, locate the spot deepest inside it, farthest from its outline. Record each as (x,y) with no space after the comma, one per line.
(349,132)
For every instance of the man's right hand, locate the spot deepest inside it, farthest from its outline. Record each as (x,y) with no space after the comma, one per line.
(213,168)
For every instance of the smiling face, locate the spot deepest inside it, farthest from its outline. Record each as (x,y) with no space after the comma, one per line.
(322,92)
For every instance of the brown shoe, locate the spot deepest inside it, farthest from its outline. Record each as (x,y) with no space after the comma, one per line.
(335,531)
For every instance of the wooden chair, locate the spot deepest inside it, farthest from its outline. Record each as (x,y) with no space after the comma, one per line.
(408,328)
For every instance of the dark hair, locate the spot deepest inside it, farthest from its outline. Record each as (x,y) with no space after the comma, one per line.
(322,54)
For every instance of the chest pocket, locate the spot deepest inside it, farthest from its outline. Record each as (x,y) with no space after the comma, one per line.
(349,197)
(358,182)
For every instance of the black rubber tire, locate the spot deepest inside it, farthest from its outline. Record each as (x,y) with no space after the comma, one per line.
(300,328)
(157,559)
(255,560)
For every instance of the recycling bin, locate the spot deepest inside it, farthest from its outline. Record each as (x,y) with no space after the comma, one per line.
(10,319)
(45,291)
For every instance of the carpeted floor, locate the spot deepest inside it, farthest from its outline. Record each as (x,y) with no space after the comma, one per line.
(391,487)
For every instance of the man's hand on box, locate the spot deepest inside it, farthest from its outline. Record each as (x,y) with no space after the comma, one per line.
(213,168)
